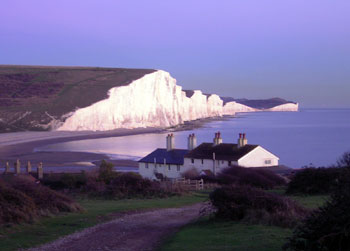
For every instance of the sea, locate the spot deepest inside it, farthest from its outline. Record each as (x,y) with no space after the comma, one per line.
(310,137)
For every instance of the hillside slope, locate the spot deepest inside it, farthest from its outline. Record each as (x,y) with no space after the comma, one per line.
(34,97)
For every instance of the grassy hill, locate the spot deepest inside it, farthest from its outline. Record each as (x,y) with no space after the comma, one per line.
(30,96)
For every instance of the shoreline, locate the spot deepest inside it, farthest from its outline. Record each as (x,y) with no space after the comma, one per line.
(21,145)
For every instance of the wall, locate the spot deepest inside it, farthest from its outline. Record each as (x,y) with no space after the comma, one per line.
(173,173)
(206,165)
(257,157)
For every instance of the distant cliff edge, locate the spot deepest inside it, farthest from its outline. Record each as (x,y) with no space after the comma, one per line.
(101,99)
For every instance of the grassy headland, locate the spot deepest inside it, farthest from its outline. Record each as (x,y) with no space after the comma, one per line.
(32,95)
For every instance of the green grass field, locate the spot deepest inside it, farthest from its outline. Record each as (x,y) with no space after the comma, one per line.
(210,234)
(97,211)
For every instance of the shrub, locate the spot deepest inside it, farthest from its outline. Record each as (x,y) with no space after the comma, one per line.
(276,179)
(65,181)
(191,174)
(128,185)
(253,205)
(105,172)
(314,180)
(250,176)
(15,206)
(23,200)
(45,199)
(327,228)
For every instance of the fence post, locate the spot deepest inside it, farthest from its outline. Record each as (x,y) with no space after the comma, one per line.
(40,171)
(7,167)
(29,167)
(17,167)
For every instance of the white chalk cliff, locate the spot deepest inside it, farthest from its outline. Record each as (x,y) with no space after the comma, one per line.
(152,101)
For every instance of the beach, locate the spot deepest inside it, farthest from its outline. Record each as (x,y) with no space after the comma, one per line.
(21,145)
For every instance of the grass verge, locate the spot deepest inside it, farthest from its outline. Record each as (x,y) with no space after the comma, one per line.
(212,234)
(97,211)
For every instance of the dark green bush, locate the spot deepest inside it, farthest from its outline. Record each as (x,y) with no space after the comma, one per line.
(65,181)
(105,172)
(255,177)
(254,205)
(22,199)
(327,228)
(314,180)
(45,199)
(127,185)
(15,206)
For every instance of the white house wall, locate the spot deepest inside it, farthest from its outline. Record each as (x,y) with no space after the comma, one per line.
(206,164)
(171,172)
(259,157)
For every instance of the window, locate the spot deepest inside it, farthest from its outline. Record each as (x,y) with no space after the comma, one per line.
(202,161)
(178,168)
(267,162)
(192,161)
(146,165)
(169,168)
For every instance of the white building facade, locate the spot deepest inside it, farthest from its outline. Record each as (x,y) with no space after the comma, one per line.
(207,157)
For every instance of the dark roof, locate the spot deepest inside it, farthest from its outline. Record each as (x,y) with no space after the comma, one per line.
(175,156)
(222,151)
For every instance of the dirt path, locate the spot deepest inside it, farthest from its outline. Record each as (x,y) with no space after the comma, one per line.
(139,231)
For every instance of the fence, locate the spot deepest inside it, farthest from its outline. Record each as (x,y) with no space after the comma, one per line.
(28,169)
(189,184)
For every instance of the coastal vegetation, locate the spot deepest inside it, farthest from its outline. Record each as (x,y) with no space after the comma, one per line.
(22,200)
(107,184)
(311,213)
(252,209)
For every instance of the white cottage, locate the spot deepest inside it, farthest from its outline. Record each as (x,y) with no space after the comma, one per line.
(163,162)
(217,155)
(207,157)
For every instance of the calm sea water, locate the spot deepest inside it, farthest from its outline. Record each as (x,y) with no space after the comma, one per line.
(311,136)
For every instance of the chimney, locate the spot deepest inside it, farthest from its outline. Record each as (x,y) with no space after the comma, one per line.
(242,141)
(170,142)
(192,142)
(217,139)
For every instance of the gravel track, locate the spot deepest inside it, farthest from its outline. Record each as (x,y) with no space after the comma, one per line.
(138,231)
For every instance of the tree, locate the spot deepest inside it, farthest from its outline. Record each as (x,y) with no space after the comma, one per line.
(105,172)
(344,160)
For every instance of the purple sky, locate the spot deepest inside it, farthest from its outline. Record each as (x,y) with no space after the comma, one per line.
(295,49)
